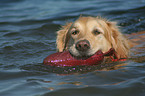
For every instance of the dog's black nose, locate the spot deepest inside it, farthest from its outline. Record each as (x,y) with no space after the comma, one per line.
(83,45)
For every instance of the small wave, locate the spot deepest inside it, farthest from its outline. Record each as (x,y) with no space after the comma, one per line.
(10,34)
(30,51)
(10,1)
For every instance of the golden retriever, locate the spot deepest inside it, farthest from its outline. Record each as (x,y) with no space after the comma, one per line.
(87,35)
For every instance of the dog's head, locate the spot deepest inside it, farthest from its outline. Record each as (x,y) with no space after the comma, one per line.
(87,35)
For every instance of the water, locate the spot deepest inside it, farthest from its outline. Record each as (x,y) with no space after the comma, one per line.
(27,36)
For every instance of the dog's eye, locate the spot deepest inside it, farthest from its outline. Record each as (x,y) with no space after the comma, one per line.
(96,32)
(75,32)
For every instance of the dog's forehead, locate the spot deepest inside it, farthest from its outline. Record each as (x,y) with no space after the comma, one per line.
(92,24)
(86,22)
(80,22)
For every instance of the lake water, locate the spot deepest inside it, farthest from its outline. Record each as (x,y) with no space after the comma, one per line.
(28,33)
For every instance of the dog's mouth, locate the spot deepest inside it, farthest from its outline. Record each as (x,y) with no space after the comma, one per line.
(111,52)
(84,55)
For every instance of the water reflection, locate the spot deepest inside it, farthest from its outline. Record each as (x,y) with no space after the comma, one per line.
(73,70)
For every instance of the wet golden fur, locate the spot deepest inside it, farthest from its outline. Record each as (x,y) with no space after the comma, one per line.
(101,33)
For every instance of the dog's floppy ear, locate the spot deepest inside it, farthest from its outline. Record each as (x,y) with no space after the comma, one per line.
(119,42)
(62,37)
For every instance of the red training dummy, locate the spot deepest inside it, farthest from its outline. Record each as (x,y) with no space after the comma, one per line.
(61,59)
(66,59)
